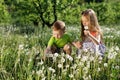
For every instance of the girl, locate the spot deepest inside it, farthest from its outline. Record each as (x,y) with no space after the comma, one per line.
(90,33)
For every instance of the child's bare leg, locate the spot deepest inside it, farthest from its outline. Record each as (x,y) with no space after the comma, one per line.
(67,49)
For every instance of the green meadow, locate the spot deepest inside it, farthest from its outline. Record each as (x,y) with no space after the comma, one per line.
(21,56)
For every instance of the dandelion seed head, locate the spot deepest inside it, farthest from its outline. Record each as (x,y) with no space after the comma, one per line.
(71,75)
(62,60)
(21,46)
(59,65)
(56,55)
(117,67)
(105,65)
(39,72)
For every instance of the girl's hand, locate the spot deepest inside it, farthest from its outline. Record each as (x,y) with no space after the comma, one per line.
(87,32)
(77,44)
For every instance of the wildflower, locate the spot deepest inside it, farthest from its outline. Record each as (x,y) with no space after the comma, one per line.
(51,69)
(74,66)
(59,65)
(98,69)
(39,72)
(117,48)
(85,50)
(54,59)
(69,57)
(40,63)
(44,78)
(100,58)
(67,66)
(85,69)
(112,55)
(62,54)
(21,46)
(30,60)
(49,55)
(62,60)
(56,55)
(117,67)
(88,64)
(91,58)
(105,64)
(84,58)
(71,75)
(79,56)
(81,63)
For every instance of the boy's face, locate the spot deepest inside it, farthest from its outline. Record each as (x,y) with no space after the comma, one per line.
(57,33)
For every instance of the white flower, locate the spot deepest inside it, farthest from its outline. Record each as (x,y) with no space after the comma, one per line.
(54,59)
(84,58)
(98,69)
(85,69)
(62,54)
(30,60)
(88,64)
(56,55)
(67,66)
(62,60)
(43,78)
(39,72)
(69,57)
(117,67)
(112,55)
(117,48)
(100,58)
(49,55)
(81,63)
(85,50)
(74,66)
(105,64)
(21,46)
(71,75)
(41,62)
(59,65)
(79,56)
(91,58)
(51,69)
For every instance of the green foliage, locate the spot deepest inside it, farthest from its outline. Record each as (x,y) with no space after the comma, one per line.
(4,15)
(29,12)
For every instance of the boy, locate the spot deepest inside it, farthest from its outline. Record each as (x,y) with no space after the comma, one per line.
(59,40)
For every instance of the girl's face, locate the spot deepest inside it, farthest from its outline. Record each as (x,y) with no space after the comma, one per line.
(57,33)
(85,21)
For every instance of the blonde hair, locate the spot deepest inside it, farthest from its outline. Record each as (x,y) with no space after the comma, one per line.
(94,25)
(59,25)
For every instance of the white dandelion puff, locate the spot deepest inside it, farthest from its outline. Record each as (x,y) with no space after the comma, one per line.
(59,65)
(105,65)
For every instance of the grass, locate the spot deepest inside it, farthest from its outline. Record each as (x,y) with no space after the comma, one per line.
(21,57)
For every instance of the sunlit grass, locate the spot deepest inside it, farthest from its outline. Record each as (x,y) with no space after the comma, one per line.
(21,57)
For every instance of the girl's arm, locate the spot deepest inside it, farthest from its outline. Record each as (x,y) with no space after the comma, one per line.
(96,39)
(77,44)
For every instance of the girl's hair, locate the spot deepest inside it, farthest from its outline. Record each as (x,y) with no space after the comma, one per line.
(59,25)
(94,25)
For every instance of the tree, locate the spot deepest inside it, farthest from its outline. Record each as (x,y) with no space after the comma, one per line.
(4,15)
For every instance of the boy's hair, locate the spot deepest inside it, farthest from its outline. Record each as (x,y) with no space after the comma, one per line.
(59,25)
